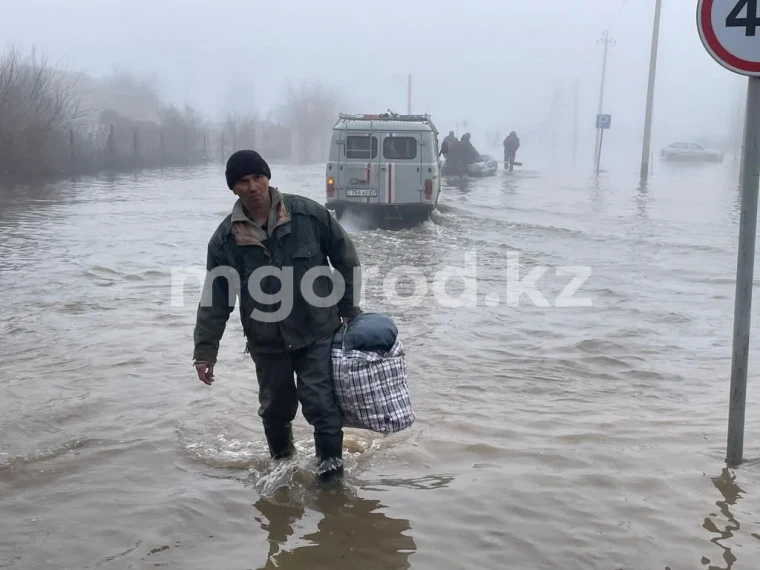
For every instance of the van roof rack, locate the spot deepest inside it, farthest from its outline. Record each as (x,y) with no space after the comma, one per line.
(389,116)
(383,116)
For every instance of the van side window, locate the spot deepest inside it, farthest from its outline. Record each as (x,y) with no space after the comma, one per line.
(400,148)
(358,146)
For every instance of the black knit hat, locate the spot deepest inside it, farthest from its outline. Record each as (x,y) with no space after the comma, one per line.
(243,163)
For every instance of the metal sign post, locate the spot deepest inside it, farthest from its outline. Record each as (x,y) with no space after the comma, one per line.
(729,32)
(603,122)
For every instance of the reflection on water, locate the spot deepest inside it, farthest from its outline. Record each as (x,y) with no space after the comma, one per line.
(352,532)
(596,189)
(642,200)
(461,183)
(509,185)
(731,493)
(737,205)
(421,483)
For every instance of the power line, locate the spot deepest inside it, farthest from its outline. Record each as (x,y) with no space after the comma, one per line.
(614,19)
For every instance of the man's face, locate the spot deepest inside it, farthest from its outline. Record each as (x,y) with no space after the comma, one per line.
(252,188)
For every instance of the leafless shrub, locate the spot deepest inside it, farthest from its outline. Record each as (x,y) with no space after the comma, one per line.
(35,103)
(53,123)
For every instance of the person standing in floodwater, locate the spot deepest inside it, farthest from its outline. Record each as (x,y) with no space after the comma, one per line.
(448,145)
(511,146)
(284,236)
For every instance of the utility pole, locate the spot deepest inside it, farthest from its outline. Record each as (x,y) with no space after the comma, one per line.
(650,92)
(605,39)
(409,96)
(576,88)
(555,118)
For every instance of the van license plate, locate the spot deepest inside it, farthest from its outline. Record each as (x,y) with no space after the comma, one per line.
(361,192)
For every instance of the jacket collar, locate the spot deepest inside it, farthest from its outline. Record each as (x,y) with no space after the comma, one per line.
(248,232)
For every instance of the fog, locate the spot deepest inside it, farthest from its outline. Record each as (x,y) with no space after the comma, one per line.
(496,65)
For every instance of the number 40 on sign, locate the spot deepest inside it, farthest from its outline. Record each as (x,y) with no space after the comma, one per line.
(749,21)
(729,30)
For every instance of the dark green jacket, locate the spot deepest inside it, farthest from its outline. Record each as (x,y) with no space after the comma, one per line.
(305,237)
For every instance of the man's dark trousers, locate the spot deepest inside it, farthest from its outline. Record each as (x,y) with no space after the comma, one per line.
(279,396)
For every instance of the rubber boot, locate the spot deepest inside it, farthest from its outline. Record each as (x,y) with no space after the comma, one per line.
(329,457)
(280,441)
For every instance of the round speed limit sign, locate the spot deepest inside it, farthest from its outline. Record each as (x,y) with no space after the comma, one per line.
(730,31)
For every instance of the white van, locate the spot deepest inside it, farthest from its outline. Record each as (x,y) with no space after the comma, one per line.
(385,166)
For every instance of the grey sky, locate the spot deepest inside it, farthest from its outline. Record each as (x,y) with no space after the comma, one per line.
(495,64)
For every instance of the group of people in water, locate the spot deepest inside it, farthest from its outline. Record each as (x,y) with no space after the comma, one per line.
(459,154)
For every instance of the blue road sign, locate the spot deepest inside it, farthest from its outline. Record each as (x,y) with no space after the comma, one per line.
(603,121)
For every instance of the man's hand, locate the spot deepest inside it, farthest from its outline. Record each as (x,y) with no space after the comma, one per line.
(205,372)
(346,320)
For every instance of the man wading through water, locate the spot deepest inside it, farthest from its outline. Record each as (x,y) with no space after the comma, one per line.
(288,330)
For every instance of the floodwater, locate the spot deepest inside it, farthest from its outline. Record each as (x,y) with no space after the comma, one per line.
(571,430)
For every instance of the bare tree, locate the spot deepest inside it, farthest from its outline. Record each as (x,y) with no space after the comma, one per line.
(181,134)
(36,102)
(241,130)
(309,111)
(53,122)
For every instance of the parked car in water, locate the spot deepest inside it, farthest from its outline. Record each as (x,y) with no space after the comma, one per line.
(690,151)
(384,166)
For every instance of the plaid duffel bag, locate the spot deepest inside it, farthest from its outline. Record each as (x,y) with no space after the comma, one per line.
(371,386)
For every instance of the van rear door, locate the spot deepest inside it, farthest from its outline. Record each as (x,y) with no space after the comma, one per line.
(401,168)
(357,178)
